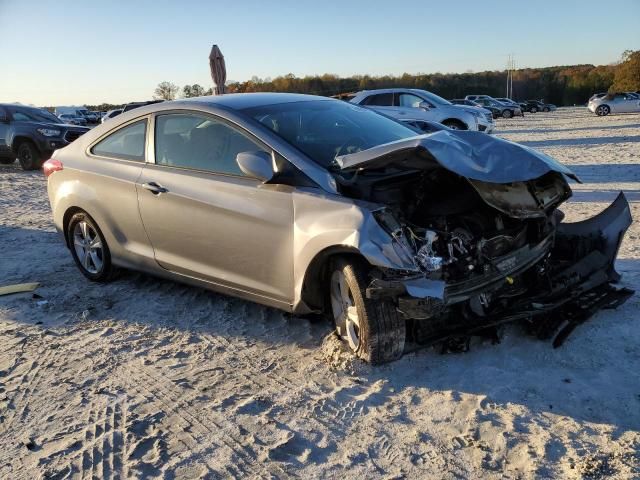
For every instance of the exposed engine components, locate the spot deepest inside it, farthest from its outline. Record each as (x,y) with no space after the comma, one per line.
(427,257)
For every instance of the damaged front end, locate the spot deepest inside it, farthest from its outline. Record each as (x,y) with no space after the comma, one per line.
(479,218)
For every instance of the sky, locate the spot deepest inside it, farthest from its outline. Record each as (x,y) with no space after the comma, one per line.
(62,52)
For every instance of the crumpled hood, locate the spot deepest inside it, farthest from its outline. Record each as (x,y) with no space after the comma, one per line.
(474,155)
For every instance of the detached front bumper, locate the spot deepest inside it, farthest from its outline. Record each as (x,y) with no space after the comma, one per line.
(573,279)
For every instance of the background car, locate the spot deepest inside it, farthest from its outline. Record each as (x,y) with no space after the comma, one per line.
(508,101)
(506,110)
(32,134)
(534,106)
(72,119)
(495,112)
(614,103)
(110,114)
(416,103)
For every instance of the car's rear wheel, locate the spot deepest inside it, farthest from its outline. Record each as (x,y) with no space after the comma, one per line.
(29,156)
(533,109)
(89,248)
(507,114)
(372,328)
(603,110)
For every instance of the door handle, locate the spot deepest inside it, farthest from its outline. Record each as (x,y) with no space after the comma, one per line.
(154,188)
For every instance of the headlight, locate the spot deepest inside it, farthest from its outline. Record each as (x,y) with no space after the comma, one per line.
(48,132)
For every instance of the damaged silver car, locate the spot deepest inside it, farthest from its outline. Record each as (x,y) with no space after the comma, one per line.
(315,205)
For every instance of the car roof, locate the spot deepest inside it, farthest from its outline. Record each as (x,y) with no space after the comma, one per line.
(240,101)
(377,91)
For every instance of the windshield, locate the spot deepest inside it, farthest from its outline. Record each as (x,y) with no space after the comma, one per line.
(325,129)
(433,97)
(34,115)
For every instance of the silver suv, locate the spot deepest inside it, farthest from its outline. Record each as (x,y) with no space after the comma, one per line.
(402,103)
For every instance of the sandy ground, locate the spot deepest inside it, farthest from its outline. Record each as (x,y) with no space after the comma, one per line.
(145,378)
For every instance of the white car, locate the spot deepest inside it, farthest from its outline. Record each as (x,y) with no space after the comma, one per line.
(110,114)
(614,103)
(417,104)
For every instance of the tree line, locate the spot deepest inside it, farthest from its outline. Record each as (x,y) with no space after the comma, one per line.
(561,85)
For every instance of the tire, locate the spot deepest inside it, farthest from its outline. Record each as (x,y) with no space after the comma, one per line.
(546,109)
(372,328)
(454,124)
(533,109)
(507,114)
(94,262)
(29,156)
(603,110)
(6,161)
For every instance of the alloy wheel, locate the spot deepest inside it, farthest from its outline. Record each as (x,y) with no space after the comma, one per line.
(345,312)
(88,247)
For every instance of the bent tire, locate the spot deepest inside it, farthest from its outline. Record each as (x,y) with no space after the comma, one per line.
(507,114)
(29,156)
(603,110)
(372,328)
(89,248)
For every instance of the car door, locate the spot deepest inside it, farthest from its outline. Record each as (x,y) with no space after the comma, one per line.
(629,104)
(205,218)
(618,104)
(5,150)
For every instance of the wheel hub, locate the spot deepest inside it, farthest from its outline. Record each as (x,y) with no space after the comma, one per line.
(345,312)
(88,247)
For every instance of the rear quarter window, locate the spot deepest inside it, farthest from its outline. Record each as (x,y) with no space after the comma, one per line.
(126,143)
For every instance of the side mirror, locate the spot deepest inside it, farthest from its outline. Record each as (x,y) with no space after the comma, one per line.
(256,164)
(424,106)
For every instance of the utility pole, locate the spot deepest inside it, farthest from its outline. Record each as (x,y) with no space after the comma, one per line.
(511,66)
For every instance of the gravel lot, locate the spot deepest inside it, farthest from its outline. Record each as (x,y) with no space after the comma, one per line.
(145,378)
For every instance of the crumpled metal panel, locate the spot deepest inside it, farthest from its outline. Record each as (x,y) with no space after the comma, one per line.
(332,221)
(474,155)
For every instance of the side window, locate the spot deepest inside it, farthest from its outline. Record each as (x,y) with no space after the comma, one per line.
(126,143)
(201,143)
(21,117)
(380,100)
(408,100)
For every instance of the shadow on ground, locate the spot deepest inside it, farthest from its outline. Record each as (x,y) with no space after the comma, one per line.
(520,370)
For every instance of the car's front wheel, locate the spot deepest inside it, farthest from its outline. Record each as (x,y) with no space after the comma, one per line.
(507,114)
(603,110)
(89,248)
(29,156)
(372,328)
(454,124)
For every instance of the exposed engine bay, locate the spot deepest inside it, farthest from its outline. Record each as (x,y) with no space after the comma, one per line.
(486,252)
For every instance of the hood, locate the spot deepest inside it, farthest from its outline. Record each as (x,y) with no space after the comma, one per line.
(60,126)
(468,109)
(472,155)
(48,125)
